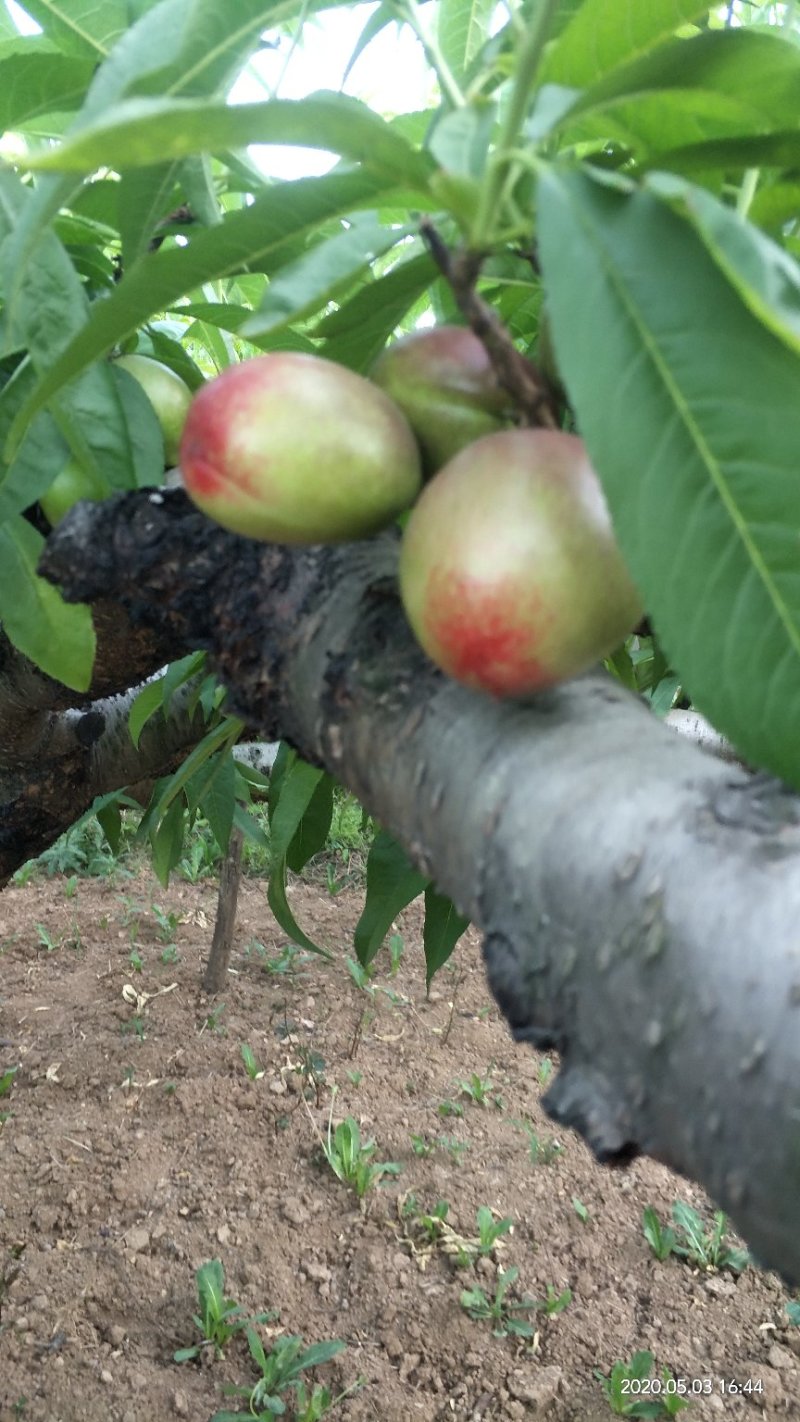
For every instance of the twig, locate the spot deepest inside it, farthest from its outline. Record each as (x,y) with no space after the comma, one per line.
(529,390)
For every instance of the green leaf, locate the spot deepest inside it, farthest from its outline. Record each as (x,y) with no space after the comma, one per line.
(80,27)
(163,347)
(312,831)
(225,733)
(293,797)
(148,701)
(256,237)
(444,926)
(604,34)
(196,179)
(386,14)
(293,788)
(177,674)
(36,79)
(167,841)
(318,1354)
(461,139)
(7,27)
(356,334)
(225,315)
(283,763)
(58,638)
(143,131)
(689,409)
(178,47)
(185,1355)
(250,827)
(765,276)
(463,27)
(109,818)
(218,801)
(694,91)
(104,417)
(303,286)
(278,902)
(146,195)
(392,883)
(775,204)
(776,150)
(641,1364)
(210,1280)
(190,47)
(42,454)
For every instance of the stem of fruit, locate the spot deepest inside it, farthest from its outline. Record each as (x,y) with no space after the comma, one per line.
(524,84)
(529,391)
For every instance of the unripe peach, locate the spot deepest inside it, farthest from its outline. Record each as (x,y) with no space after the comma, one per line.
(71,484)
(169,395)
(509,571)
(292,448)
(445,384)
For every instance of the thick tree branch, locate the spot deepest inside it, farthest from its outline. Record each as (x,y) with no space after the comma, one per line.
(60,749)
(60,761)
(639,898)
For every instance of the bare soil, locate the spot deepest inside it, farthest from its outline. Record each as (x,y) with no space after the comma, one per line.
(136,1147)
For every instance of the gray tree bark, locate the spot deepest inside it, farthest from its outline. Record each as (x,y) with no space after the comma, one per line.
(639,899)
(60,749)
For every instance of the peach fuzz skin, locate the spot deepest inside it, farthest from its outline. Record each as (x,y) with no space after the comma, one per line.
(509,571)
(292,448)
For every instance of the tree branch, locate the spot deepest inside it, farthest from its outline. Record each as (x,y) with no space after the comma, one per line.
(60,749)
(528,388)
(639,898)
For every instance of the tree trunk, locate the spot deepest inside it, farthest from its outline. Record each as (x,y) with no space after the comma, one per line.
(222,942)
(639,898)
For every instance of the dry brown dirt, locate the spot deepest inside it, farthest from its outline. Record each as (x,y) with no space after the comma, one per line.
(136,1147)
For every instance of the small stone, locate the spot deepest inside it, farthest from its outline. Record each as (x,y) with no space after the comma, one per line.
(393,1346)
(408,1363)
(294,1212)
(537,1387)
(116,1335)
(138,1239)
(773,1397)
(106,1376)
(224,1234)
(781,1359)
(277,1086)
(718,1286)
(180,1404)
(320,1273)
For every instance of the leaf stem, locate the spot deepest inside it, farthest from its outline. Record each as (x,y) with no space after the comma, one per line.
(410,11)
(530,57)
(747,191)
